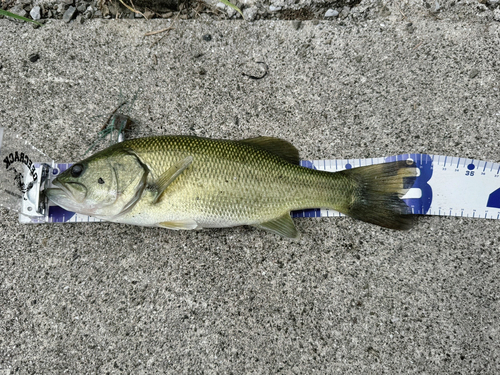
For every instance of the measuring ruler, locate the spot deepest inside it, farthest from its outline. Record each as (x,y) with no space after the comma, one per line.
(445,186)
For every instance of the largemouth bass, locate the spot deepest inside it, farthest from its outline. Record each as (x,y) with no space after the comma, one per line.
(184,182)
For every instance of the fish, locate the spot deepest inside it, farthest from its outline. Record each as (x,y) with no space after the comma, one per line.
(187,182)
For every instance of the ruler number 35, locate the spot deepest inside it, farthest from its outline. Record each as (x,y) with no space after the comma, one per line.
(467,173)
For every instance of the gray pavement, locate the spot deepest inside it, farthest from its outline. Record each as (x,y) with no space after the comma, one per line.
(348,297)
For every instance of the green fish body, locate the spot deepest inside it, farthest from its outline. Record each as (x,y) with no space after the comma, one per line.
(183,182)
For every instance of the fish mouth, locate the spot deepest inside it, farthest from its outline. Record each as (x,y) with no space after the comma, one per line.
(72,191)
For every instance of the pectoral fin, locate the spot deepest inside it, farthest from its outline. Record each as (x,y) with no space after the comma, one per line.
(187,224)
(283,226)
(169,176)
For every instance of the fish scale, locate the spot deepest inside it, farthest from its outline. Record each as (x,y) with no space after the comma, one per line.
(243,178)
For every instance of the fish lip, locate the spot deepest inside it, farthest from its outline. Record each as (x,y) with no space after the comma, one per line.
(48,192)
(66,190)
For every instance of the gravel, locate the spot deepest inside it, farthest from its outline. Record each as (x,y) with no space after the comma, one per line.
(253,10)
(69,14)
(331,13)
(35,13)
(250,13)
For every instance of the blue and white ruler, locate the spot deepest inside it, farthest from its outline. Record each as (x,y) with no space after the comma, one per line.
(445,186)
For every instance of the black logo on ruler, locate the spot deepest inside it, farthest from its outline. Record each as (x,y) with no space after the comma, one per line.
(12,160)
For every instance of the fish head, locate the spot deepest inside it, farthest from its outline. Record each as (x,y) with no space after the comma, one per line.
(103,185)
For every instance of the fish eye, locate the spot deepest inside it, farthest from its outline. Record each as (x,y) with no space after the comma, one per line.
(76,170)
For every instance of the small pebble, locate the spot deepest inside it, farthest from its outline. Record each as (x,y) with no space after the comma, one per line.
(345,12)
(207,37)
(35,13)
(496,14)
(230,12)
(81,8)
(88,13)
(19,11)
(105,10)
(296,24)
(34,57)
(473,73)
(250,13)
(69,14)
(60,8)
(331,13)
(273,8)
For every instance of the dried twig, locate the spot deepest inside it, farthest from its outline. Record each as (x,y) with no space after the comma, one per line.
(400,11)
(132,9)
(418,45)
(171,27)
(159,31)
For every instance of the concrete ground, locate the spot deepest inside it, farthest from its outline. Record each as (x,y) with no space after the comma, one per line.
(348,297)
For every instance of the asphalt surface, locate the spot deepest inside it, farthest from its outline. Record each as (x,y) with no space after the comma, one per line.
(348,297)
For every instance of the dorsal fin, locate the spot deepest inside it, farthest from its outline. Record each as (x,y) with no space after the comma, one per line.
(277,146)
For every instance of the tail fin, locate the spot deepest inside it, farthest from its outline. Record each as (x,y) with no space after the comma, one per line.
(377,193)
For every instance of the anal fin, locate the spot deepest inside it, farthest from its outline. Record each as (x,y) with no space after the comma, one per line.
(282,225)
